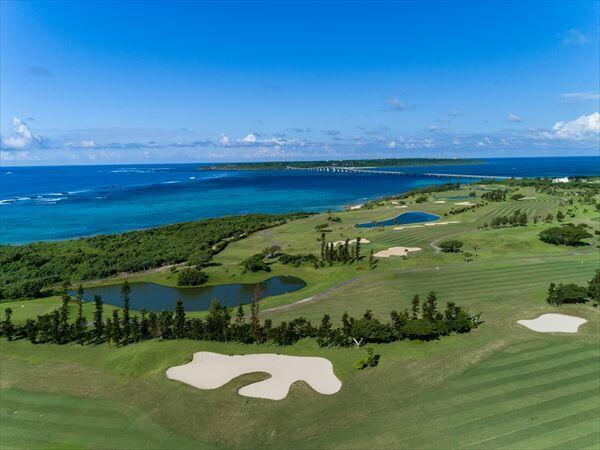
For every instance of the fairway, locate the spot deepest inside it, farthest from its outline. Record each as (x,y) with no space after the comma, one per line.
(499,386)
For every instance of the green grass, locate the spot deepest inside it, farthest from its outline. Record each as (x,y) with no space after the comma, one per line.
(500,386)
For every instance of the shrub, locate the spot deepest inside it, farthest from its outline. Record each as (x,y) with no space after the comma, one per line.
(371,360)
(255,264)
(451,246)
(421,199)
(191,277)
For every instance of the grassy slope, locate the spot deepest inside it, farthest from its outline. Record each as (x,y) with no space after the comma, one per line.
(500,386)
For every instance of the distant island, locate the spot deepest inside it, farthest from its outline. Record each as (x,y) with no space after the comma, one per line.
(364,163)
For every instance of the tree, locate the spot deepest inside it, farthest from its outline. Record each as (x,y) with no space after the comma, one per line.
(8,328)
(430,307)
(98,320)
(371,259)
(63,328)
(191,277)
(255,263)
(357,249)
(125,291)
(593,288)
(117,331)
(560,216)
(415,307)
(255,331)
(552,297)
(565,235)
(80,321)
(451,246)
(179,322)
(324,333)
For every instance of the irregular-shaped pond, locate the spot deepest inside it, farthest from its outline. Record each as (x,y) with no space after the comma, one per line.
(401,219)
(156,297)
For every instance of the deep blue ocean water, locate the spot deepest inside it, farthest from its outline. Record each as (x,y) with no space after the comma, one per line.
(49,203)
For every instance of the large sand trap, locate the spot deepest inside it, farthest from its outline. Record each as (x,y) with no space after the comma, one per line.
(465,204)
(554,323)
(353,207)
(351,241)
(396,251)
(212,370)
(440,201)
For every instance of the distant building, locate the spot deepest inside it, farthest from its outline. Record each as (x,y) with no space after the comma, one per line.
(561,180)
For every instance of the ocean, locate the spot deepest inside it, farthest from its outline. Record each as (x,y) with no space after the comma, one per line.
(52,203)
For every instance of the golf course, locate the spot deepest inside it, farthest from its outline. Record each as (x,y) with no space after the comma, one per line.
(499,385)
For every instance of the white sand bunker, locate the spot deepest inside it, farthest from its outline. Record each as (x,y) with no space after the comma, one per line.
(554,323)
(353,207)
(440,201)
(396,251)
(212,370)
(351,241)
(465,204)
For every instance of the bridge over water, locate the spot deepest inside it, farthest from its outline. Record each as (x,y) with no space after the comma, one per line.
(368,170)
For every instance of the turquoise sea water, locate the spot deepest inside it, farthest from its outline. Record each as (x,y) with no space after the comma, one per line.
(49,203)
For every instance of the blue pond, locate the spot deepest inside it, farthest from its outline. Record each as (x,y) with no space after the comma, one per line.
(156,297)
(401,219)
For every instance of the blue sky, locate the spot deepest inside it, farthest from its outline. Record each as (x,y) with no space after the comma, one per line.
(116,82)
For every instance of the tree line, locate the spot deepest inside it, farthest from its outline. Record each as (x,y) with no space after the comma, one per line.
(421,321)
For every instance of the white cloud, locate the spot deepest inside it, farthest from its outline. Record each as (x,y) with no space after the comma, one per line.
(392,144)
(88,144)
(513,118)
(22,137)
(224,140)
(395,104)
(573,37)
(249,139)
(581,96)
(580,128)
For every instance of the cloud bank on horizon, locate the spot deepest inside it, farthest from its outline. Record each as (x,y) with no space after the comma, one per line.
(520,79)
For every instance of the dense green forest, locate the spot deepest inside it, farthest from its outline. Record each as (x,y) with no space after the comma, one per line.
(26,270)
(384,162)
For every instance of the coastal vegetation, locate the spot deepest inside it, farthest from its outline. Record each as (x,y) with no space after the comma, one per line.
(28,269)
(364,163)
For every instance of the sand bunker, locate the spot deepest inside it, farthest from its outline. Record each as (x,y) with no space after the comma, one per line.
(528,198)
(429,224)
(440,201)
(352,207)
(396,251)
(351,241)
(554,323)
(465,204)
(212,370)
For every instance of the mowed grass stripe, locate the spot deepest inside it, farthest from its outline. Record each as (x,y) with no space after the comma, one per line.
(590,440)
(519,366)
(490,426)
(446,406)
(560,423)
(560,438)
(549,373)
(541,352)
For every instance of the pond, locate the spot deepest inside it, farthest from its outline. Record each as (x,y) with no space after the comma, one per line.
(156,297)
(401,219)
